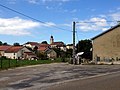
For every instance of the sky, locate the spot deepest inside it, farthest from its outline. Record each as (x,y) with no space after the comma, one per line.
(55,17)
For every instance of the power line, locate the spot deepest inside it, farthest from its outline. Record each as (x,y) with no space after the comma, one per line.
(32,18)
(95,21)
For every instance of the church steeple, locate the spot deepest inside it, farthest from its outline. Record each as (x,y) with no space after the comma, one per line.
(51,39)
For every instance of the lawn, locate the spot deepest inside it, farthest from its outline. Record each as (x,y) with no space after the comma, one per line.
(10,63)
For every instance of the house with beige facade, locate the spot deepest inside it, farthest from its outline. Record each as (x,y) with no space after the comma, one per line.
(31,45)
(51,53)
(3,48)
(19,52)
(106,46)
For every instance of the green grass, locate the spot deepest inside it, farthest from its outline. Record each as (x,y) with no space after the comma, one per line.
(9,63)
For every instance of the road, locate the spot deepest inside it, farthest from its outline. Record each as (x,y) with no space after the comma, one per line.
(107,82)
(40,77)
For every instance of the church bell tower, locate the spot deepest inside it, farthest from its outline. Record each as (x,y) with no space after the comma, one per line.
(51,39)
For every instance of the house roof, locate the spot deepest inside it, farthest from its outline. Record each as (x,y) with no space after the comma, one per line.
(50,50)
(3,48)
(44,45)
(33,43)
(42,48)
(58,43)
(112,28)
(13,49)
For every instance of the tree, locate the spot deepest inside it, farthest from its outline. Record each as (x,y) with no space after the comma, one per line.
(0,43)
(16,44)
(57,50)
(41,55)
(85,46)
(44,42)
(69,52)
(5,43)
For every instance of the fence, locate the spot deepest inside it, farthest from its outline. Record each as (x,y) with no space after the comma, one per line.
(9,63)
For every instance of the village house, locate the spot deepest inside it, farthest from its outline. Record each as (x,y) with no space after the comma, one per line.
(31,45)
(46,49)
(3,48)
(106,46)
(18,52)
(43,47)
(69,46)
(51,54)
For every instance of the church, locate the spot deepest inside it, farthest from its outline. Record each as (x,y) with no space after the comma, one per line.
(60,44)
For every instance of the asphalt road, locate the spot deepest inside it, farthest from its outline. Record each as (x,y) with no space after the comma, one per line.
(107,82)
(41,77)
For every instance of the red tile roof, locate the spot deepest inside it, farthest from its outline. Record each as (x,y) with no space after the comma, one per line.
(58,43)
(33,43)
(42,48)
(3,48)
(44,45)
(13,49)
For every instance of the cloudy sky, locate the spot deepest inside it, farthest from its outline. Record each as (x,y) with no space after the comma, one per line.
(55,17)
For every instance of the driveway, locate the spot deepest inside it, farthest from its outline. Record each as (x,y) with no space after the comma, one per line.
(39,77)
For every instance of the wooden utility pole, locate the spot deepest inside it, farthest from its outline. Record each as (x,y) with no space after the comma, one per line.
(73,60)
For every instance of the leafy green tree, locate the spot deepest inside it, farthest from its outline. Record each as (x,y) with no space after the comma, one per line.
(57,50)
(44,42)
(16,44)
(85,46)
(0,43)
(69,52)
(5,43)
(41,55)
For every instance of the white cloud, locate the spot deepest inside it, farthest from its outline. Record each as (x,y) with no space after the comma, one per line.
(94,23)
(16,26)
(115,16)
(11,1)
(93,10)
(33,1)
(74,11)
(54,0)
(49,8)
(66,25)
(118,8)
(48,24)
(103,16)
(44,1)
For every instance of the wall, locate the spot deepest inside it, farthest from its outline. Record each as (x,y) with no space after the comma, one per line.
(107,45)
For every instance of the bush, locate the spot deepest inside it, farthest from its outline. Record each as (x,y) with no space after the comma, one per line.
(3,57)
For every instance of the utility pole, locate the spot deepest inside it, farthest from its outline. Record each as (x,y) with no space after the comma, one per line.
(73,60)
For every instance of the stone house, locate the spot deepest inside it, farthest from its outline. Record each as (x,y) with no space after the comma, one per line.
(31,45)
(46,49)
(69,46)
(106,46)
(51,53)
(16,52)
(3,48)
